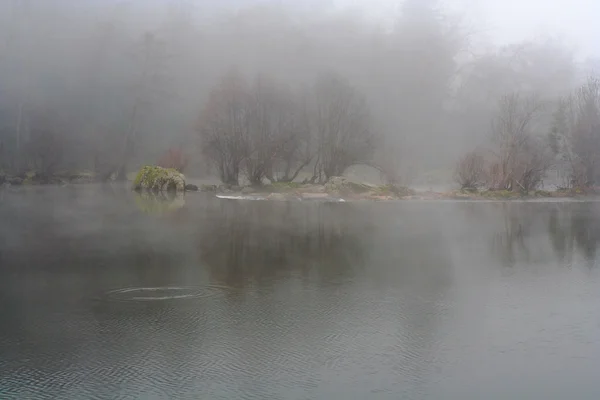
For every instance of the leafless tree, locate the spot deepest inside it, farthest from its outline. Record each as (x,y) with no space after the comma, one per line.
(577,133)
(296,151)
(223,127)
(521,156)
(470,171)
(270,120)
(344,134)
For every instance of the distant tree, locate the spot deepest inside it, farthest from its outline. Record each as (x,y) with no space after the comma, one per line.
(269,120)
(521,154)
(223,127)
(296,151)
(470,171)
(343,128)
(576,133)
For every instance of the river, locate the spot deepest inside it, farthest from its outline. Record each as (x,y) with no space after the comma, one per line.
(107,295)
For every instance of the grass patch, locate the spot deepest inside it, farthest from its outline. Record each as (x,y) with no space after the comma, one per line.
(393,190)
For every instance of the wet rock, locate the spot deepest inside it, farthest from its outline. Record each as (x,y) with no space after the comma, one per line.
(191,188)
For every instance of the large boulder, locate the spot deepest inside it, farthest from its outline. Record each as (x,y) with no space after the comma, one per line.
(158,179)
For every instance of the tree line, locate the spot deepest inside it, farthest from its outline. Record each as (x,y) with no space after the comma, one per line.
(530,137)
(269,92)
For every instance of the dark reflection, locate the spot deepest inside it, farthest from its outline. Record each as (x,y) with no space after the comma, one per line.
(508,240)
(159,203)
(575,227)
(255,242)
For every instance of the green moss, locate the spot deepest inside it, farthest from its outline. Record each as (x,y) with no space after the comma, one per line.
(359,187)
(285,186)
(208,188)
(389,190)
(542,193)
(500,194)
(158,179)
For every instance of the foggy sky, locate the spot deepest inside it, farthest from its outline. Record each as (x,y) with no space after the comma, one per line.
(508,21)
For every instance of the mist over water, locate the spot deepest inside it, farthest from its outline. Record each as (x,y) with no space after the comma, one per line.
(295,300)
(110,294)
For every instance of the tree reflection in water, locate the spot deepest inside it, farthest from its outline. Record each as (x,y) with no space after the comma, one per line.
(255,242)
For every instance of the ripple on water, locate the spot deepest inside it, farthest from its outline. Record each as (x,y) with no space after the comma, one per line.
(164,293)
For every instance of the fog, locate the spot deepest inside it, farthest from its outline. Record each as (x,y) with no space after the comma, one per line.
(107,85)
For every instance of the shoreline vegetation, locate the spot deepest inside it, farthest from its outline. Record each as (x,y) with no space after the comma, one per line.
(337,188)
(343,189)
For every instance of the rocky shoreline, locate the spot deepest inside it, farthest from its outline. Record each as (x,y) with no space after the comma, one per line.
(341,190)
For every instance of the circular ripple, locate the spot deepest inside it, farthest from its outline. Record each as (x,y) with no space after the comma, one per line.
(162,293)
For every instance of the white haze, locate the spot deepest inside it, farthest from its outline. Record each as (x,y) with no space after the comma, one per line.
(432,80)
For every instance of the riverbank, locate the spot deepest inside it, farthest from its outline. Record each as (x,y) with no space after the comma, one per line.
(32,178)
(340,189)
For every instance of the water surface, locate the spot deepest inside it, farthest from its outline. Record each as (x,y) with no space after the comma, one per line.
(106,295)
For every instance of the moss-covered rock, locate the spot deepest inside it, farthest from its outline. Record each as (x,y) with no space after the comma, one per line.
(157,179)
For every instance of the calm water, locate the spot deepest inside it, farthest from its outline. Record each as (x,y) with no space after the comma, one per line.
(105,295)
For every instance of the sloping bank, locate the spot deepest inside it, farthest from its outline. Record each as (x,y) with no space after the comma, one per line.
(340,189)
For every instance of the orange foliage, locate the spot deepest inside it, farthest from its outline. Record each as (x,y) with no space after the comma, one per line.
(174,158)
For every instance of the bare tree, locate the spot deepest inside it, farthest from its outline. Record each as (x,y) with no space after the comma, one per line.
(470,171)
(223,127)
(585,134)
(344,134)
(521,158)
(269,119)
(296,151)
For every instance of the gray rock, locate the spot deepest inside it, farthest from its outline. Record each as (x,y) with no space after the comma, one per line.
(191,188)
(247,190)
